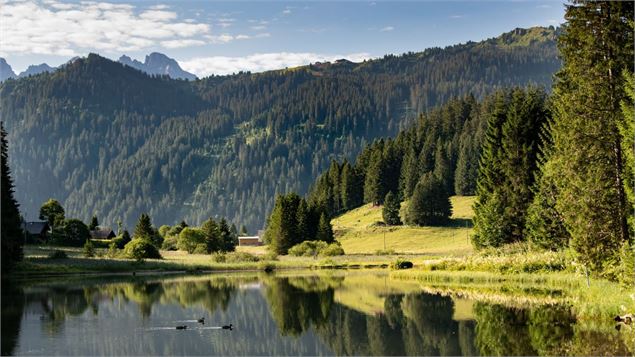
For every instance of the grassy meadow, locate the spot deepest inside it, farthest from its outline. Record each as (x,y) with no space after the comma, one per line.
(359,232)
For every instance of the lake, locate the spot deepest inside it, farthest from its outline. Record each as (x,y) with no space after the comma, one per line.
(288,313)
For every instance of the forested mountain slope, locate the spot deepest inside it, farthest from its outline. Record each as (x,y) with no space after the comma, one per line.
(108,139)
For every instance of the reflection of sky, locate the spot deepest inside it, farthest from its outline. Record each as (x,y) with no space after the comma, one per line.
(230,35)
(118,329)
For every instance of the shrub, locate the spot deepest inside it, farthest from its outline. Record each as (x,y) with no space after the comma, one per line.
(58,254)
(309,248)
(140,249)
(234,257)
(201,248)
(89,249)
(169,243)
(401,264)
(332,250)
(122,239)
(189,238)
(113,252)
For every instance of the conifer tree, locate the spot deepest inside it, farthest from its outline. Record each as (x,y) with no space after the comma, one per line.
(212,235)
(390,211)
(325,230)
(94,223)
(588,158)
(228,240)
(12,234)
(281,232)
(430,203)
(409,172)
(442,169)
(143,229)
(243,230)
(351,187)
(303,221)
(627,133)
(375,184)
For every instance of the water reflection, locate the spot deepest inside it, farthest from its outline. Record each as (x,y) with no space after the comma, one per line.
(342,313)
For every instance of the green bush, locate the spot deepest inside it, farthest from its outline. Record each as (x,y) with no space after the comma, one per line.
(309,248)
(234,257)
(140,249)
(169,243)
(189,238)
(201,248)
(401,264)
(332,250)
(89,249)
(113,251)
(58,254)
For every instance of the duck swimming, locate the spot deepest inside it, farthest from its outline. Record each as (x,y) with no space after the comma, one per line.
(228,327)
(181,327)
(201,320)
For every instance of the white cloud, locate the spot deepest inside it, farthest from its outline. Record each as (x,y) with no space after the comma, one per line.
(67,29)
(205,66)
(286,11)
(181,43)
(457,16)
(386,29)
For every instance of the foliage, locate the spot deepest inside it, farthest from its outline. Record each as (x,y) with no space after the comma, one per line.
(587,155)
(401,264)
(189,239)
(390,211)
(53,212)
(385,252)
(70,232)
(140,249)
(316,248)
(508,165)
(430,203)
(12,234)
(200,248)
(626,127)
(220,144)
(235,257)
(170,243)
(122,239)
(307,248)
(294,221)
(89,249)
(145,230)
(113,251)
(94,223)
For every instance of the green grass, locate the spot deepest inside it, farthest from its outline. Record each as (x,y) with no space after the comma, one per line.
(359,234)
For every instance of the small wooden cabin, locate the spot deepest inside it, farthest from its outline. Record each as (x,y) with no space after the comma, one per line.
(249,241)
(36,231)
(102,233)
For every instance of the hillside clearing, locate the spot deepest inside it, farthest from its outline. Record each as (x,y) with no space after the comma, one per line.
(359,232)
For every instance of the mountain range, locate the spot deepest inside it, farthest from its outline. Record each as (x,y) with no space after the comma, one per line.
(155,64)
(104,138)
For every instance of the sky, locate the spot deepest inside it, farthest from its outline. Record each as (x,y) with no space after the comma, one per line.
(220,37)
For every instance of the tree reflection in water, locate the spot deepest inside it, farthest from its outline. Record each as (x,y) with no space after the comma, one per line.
(306,309)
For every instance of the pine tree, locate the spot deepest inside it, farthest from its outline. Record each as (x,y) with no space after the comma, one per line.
(442,169)
(596,46)
(211,232)
(303,221)
(243,230)
(430,203)
(12,234)
(375,184)
(409,172)
(390,212)
(325,230)
(143,229)
(228,240)
(627,133)
(351,187)
(94,223)
(281,232)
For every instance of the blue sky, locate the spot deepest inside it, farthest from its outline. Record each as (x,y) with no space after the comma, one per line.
(209,37)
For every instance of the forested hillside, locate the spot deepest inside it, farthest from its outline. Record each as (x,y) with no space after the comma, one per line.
(109,140)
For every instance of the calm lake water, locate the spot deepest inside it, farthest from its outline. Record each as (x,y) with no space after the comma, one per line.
(333,313)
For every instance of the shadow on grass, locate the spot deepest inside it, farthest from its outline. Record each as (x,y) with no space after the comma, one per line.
(460,223)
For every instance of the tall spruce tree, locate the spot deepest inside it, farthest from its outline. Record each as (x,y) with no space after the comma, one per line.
(12,234)
(375,183)
(94,223)
(596,46)
(509,167)
(409,171)
(211,232)
(143,229)
(627,132)
(325,230)
(281,232)
(390,211)
(352,189)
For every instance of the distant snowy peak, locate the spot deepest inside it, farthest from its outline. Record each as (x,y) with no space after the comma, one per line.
(158,63)
(6,71)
